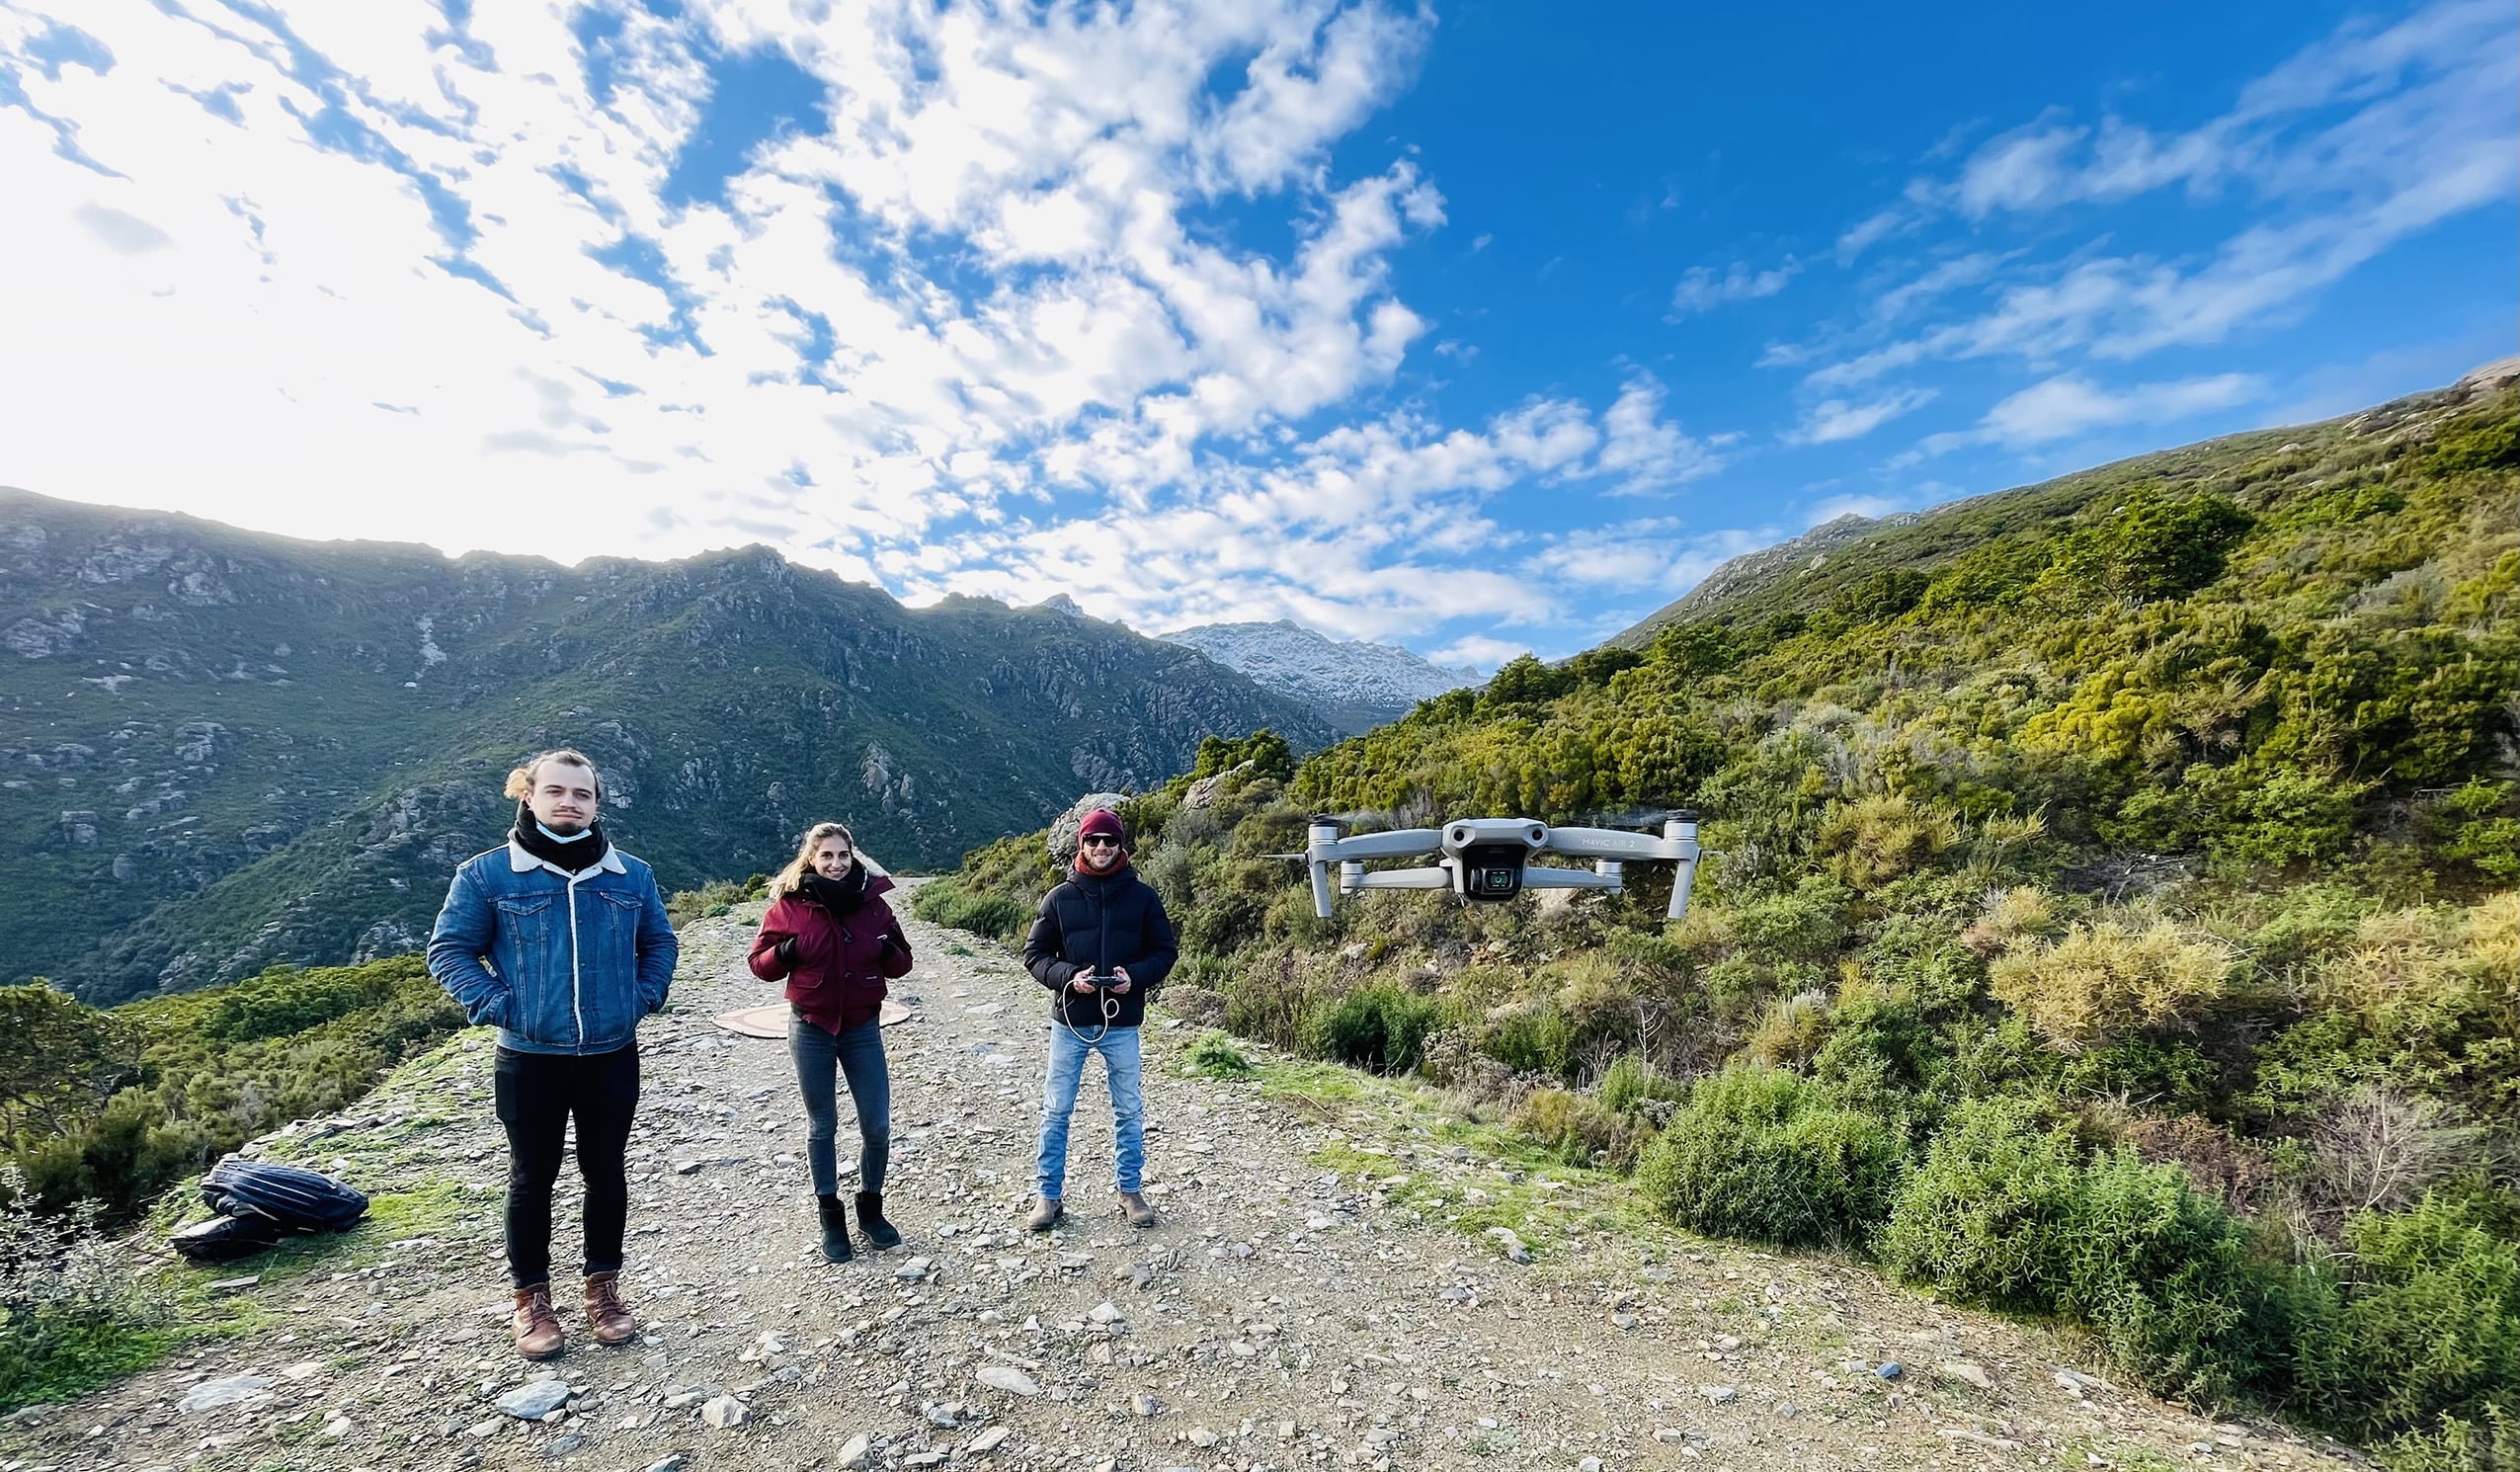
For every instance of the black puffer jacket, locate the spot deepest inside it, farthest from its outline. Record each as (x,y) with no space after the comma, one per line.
(1091,924)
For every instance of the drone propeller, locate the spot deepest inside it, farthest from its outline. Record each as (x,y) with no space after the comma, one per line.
(1631,817)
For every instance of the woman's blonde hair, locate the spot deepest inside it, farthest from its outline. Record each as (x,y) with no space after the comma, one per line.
(785,882)
(521,781)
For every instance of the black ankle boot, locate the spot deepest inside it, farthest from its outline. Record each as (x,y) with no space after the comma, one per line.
(870,1220)
(835,1228)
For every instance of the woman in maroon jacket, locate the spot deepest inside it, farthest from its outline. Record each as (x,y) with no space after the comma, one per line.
(830,936)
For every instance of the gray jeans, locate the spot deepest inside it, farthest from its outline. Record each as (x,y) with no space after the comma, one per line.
(857,1053)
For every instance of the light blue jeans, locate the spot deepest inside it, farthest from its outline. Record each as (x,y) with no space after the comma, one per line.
(1119,1051)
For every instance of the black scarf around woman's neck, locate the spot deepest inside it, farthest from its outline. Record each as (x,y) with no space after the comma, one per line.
(840,897)
(584,852)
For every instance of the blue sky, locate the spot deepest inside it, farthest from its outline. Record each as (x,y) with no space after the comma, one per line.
(1476,328)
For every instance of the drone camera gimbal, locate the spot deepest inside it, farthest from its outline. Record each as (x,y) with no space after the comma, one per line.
(1487,860)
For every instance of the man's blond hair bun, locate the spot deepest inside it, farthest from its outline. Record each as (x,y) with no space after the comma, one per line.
(521,781)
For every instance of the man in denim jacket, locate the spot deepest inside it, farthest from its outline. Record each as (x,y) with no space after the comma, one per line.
(559,941)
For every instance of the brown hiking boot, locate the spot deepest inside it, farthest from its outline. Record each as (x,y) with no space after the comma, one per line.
(536,1325)
(1134,1207)
(1045,1214)
(605,1310)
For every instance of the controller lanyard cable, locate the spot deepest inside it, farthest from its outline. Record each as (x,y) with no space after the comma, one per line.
(1111,1015)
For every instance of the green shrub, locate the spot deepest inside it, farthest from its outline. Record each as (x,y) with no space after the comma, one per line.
(1532,1038)
(1380,1025)
(947,903)
(113,1105)
(1578,1130)
(1923,955)
(2422,1321)
(1214,1055)
(1630,1082)
(1881,1055)
(2007,1213)
(1221,925)
(1268,1001)
(1759,1153)
(71,1317)
(710,899)
(2161,1274)
(2489,1443)
(1984,1220)
(2168,1075)
(2477,442)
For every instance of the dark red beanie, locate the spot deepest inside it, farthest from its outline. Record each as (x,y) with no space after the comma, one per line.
(1102,822)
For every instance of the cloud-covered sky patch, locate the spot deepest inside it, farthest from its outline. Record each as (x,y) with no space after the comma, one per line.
(1356,313)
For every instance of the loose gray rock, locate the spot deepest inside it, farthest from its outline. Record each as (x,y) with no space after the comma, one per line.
(210,1395)
(1007,1378)
(1509,1244)
(726,1412)
(853,1452)
(534,1399)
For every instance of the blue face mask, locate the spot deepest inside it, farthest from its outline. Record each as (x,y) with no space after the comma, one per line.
(562,838)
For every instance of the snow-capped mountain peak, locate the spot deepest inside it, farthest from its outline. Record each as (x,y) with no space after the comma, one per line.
(1355,685)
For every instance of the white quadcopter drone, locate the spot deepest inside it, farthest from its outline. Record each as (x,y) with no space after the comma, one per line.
(1487,860)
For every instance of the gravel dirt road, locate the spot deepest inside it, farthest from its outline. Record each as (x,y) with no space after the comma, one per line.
(1333,1283)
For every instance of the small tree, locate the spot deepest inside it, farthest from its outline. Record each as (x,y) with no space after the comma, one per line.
(60,1060)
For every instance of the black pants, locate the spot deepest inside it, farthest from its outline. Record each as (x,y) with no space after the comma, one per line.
(537,1093)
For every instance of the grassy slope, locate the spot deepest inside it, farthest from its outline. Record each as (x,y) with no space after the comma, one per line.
(2170,807)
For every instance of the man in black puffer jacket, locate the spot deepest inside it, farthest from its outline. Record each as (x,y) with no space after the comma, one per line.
(1102,921)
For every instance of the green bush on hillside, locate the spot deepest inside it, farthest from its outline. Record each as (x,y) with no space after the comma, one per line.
(2422,1321)
(1983,1219)
(1379,1027)
(947,903)
(1760,1153)
(70,1316)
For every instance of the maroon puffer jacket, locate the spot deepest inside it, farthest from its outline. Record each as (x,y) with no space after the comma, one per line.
(837,971)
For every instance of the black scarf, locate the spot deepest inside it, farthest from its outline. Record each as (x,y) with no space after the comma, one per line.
(584,852)
(841,896)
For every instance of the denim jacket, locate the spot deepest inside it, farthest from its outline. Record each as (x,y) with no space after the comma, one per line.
(559,963)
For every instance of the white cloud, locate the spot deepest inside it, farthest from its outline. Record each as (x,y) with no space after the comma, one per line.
(1701,289)
(2355,144)
(1833,420)
(1480,652)
(2071,404)
(1870,231)
(368,272)
(1649,555)
(1645,450)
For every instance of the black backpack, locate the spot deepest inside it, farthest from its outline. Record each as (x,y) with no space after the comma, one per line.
(292,1197)
(224,1239)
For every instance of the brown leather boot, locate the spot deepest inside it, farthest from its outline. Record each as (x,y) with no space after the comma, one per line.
(1134,1207)
(537,1325)
(605,1310)
(1046,1212)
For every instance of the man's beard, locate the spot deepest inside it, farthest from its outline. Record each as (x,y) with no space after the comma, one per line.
(564,827)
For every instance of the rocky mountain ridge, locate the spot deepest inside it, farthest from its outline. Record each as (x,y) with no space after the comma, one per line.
(1355,685)
(224,751)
